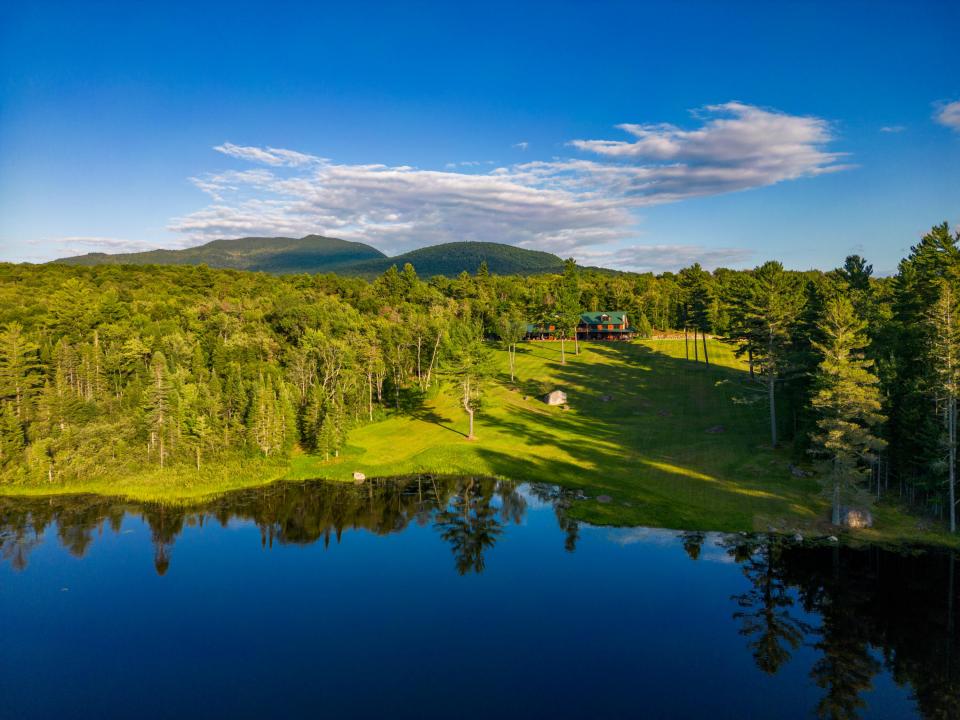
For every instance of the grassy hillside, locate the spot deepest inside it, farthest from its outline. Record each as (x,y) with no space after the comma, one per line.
(310,254)
(651,438)
(669,445)
(453,258)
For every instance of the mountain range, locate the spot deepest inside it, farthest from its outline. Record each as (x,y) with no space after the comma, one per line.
(319,254)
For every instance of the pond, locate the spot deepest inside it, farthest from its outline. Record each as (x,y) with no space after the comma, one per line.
(439,597)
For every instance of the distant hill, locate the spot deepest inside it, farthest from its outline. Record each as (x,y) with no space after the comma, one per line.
(279,255)
(318,254)
(453,258)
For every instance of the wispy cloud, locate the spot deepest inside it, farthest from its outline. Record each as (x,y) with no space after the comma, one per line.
(582,206)
(661,258)
(948,115)
(893,128)
(521,145)
(268,156)
(82,244)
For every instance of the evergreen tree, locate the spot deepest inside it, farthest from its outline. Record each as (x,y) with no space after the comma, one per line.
(157,406)
(19,368)
(944,358)
(847,400)
(770,311)
(12,440)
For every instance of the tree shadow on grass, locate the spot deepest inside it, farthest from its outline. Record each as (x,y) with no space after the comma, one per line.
(661,435)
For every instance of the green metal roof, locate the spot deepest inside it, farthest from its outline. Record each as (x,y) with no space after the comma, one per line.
(617,317)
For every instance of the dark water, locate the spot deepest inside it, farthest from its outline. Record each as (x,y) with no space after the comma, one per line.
(453,598)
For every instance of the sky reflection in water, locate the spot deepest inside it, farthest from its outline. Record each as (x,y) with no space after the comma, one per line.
(453,597)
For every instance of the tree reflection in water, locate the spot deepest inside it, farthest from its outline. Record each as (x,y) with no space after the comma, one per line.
(877,609)
(469,514)
(861,610)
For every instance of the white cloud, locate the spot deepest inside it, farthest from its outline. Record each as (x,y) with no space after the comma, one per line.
(738,146)
(662,258)
(585,207)
(893,128)
(521,145)
(948,115)
(80,245)
(267,156)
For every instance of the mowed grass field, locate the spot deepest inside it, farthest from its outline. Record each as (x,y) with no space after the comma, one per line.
(670,443)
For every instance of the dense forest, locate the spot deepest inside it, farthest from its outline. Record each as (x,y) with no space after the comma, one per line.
(111,368)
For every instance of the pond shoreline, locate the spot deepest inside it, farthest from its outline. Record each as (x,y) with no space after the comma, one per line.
(614,514)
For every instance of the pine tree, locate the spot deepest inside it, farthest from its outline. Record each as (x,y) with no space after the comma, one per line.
(847,400)
(771,310)
(12,440)
(944,358)
(19,368)
(157,406)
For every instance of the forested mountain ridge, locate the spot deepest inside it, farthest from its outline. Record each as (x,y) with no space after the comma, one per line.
(451,259)
(279,255)
(317,254)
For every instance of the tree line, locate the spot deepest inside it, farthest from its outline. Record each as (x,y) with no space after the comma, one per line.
(112,369)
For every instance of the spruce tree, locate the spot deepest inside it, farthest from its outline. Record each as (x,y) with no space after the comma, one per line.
(847,400)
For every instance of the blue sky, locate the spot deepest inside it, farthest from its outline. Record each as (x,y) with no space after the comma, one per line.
(635,135)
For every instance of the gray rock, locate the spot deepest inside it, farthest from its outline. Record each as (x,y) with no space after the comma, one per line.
(604,499)
(359,476)
(798,537)
(833,538)
(798,472)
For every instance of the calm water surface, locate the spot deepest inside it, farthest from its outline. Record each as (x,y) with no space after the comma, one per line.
(453,598)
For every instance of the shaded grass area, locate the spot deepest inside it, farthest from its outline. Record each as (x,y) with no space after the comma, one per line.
(652,438)
(671,443)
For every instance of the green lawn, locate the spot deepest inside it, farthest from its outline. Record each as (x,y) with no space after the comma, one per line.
(675,444)
(670,442)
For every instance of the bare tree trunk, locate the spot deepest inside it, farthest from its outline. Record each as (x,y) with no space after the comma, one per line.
(686,346)
(370,394)
(433,358)
(836,497)
(773,409)
(512,353)
(696,352)
(750,360)
(419,376)
(563,355)
(706,357)
(952,434)
(771,380)
(467,406)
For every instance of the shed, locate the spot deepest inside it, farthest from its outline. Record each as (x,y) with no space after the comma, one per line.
(556,397)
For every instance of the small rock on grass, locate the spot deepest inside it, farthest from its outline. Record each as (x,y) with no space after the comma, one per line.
(604,499)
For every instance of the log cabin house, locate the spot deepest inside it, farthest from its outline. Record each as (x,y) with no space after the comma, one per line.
(606,325)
